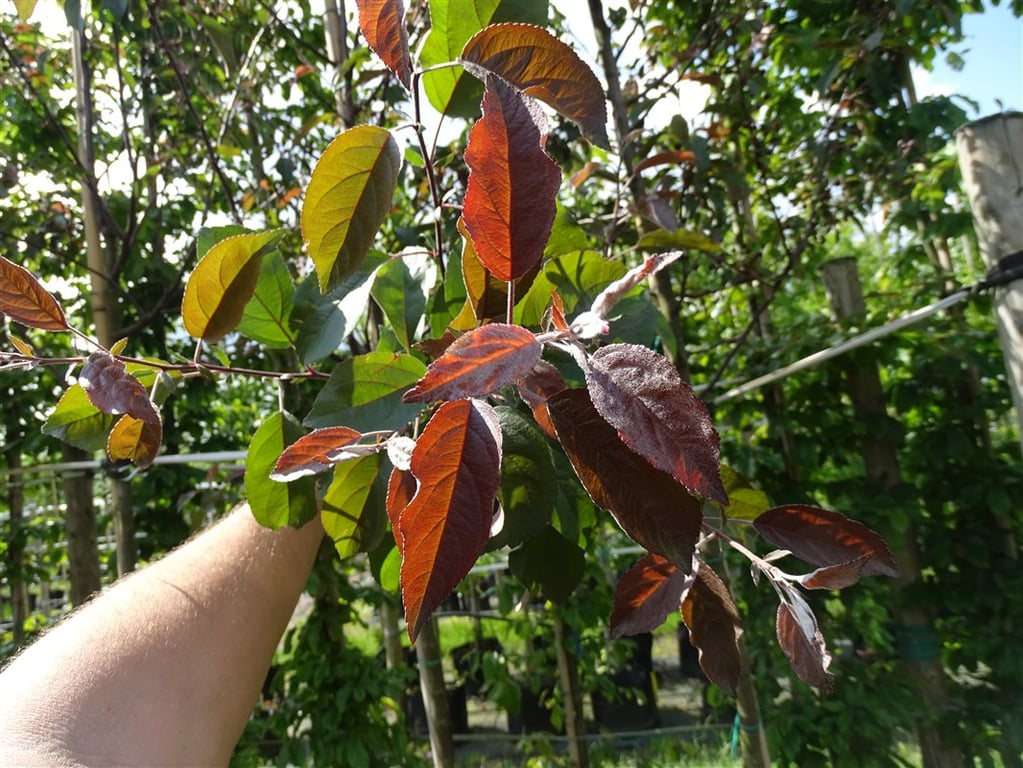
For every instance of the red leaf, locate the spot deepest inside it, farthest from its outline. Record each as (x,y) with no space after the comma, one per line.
(113,390)
(25,301)
(821,538)
(714,627)
(645,595)
(478,363)
(835,576)
(135,440)
(401,487)
(657,415)
(536,387)
(445,527)
(803,645)
(677,157)
(510,198)
(383,25)
(316,452)
(647,503)
(535,61)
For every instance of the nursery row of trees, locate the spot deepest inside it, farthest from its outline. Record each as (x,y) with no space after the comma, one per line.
(177,170)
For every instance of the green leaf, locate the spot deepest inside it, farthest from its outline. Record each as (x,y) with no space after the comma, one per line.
(345,514)
(77,421)
(348,197)
(390,571)
(364,393)
(277,504)
(548,563)
(322,322)
(400,288)
(210,236)
(577,277)
(680,238)
(223,282)
(529,485)
(744,501)
(25,9)
(450,90)
(265,318)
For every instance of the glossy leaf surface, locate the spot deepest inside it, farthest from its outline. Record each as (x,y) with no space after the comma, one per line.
(135,440)
(274,504)
(510,198)
(24,299)
(222,283)
(266,317)
(657,415)
(382,23)
(536,62)
(348,197)
(649,505)
(578,277)
(803,645)
(445,527)
(314,453)
(714,627)
(344,514)
(744,501)
(401,488)
(477,364)
(645,595)
(398,289)
(451,90)
(77,421)
(822,538)
(364,393)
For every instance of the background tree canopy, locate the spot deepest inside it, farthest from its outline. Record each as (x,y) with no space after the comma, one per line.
(145,143)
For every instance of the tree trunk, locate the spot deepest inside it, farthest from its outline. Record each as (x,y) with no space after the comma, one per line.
(572,697)
(16,545)
(991,161)
(435,695)
(80,519)
(916,636)
(335,26)
(102,298)
(752,737)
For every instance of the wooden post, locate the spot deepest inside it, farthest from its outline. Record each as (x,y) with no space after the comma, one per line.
(991,161)
(575,729)
(435,695)
(915,635)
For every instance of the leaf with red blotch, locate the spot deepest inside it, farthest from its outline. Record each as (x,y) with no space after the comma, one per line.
(803,644)
(25,301)
(536,62)
(714,627)
(135,440)
(657,415)
(478,363)
(648,504)
(444,529)
(836,576)
(113,390)
(382,23)
(535,388)
(401,488)
(675,157)
(513,183)
(824,538)
(316,452)
(645,595)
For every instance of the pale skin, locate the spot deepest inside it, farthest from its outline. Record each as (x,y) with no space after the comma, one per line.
(164,667)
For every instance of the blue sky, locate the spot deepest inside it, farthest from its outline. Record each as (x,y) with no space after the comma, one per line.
(993,52)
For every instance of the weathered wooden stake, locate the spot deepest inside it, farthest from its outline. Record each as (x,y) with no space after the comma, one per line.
(991,160)
(915,635)
(435,695)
